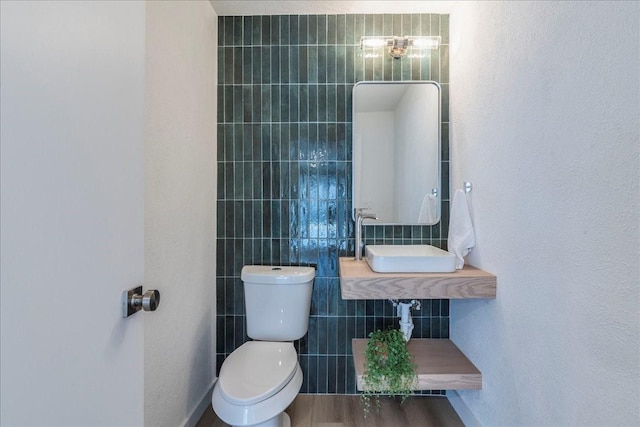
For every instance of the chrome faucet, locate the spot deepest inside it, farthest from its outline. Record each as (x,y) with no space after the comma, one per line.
(360,216)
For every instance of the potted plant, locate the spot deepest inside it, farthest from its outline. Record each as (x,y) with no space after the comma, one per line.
(389,368)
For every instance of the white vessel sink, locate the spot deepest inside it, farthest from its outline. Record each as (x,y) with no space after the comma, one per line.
(409,259)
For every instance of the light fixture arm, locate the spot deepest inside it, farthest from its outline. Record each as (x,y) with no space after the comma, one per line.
(398,46)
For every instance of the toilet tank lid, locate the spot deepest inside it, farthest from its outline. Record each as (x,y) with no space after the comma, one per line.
(277,275)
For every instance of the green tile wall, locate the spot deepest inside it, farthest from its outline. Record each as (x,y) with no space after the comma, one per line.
(284,172)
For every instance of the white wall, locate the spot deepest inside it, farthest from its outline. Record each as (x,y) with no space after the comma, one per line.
(545,111)
(417,148)
(180,209)
(72,123)
(374,145)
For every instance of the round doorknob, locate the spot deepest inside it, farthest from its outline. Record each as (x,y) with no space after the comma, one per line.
(149,301)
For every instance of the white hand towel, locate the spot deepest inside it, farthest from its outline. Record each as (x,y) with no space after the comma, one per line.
(461,236)
(429,210)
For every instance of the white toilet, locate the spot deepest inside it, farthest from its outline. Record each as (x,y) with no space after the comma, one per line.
(260,379)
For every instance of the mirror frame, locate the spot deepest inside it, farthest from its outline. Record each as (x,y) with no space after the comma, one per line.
(439,149)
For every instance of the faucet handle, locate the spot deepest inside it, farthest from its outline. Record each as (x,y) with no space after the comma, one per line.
(359,212)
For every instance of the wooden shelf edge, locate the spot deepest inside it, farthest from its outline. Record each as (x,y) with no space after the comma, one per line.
(358,281)
(440,365)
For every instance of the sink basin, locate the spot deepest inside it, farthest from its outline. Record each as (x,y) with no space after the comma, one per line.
(409,259)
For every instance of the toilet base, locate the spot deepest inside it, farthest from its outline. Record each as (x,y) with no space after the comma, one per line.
(280,420)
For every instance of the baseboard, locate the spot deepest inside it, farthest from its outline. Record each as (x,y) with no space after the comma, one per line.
(462,409)
(201,407)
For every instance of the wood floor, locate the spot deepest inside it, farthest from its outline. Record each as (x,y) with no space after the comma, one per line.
(322,410)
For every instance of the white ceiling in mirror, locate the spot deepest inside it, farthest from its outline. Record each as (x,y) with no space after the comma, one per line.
(384,98)
(311,7)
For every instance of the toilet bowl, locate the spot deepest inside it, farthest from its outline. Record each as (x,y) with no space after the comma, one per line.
(256,384)
(260,379)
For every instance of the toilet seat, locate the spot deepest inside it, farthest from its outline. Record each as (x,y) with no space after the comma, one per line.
(256,371)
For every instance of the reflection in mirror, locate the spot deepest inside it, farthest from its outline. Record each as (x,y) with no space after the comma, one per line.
(396,151)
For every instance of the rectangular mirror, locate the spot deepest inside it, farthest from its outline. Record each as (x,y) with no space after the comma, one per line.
(396,151)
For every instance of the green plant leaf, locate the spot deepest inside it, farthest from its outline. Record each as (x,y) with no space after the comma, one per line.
(389,367)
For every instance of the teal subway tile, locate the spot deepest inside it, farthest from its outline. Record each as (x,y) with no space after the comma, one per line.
(331,103)
(331,64)
(405,64)
(275,142)
(368,68)
(350,30)
(349,75)
(293,30)
(415,68)
(425,24)
(416,25)
(341,103)
(406,25)
(303,29)
(425,68)
(312,64)
(359,65)
(377,68)
(237,31)
(221,30)
(256,63)
(285,53)
(444,64)
(332,29)
(256,142)
(322,64)
(378,25)
(302,67)
(444,142)
(444,29)
(368,25)
(435,25)
(247,103)
(237,73)
(341,30)
(294,103)
(322,103)
(313,102)
(312,30)
(294,60)
(445,101)
(322,29)
(285,38)
(275,31)
(275,103)
(359,28)
(265,107)
(304,103)
(396,24)
(435,65)
(227,61)
(256,32)
(265,30)
(221,64)
(284,104)
(247,30)
(247,142)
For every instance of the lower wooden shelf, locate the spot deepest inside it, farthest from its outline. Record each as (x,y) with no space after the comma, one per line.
(440,365)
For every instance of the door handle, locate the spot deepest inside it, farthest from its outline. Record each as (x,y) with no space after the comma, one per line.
(133,300)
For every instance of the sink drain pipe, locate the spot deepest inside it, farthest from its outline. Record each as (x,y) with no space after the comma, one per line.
(404,313)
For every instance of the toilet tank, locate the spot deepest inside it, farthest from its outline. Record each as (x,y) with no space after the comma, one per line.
(277,301)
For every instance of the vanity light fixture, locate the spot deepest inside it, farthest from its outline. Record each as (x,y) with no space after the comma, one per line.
(398,46)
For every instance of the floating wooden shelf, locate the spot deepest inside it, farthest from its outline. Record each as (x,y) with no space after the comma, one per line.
(358,281)
(440,365)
